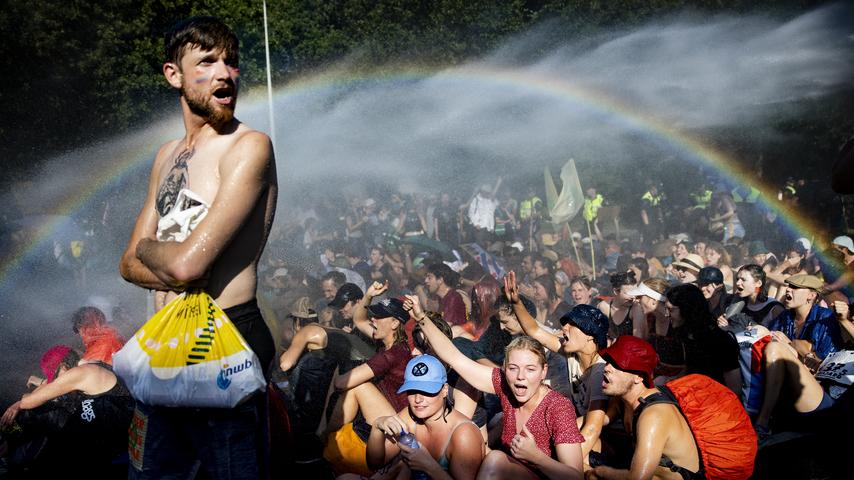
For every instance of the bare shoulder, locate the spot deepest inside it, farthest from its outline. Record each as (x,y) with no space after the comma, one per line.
(251,143)
(659,417)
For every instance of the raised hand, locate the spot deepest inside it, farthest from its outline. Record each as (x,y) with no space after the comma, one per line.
(376,289)
(511,289)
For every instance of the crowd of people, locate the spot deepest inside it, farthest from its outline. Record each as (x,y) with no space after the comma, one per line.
(507,312)
(421,335)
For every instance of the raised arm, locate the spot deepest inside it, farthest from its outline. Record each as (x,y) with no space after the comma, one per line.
(477,375)
(247,172)
(361,319)
(529,324)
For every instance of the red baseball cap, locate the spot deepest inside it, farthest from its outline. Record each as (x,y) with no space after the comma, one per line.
(633,355)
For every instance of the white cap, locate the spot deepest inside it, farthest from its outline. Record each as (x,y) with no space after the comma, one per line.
(844,241)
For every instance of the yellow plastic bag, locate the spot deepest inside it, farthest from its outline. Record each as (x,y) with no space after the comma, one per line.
(189,354)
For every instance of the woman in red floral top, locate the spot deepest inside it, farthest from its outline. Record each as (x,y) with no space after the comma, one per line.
(540,438)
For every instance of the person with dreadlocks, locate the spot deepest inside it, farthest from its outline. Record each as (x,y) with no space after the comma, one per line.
(450,443)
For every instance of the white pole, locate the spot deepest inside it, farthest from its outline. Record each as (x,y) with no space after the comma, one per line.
(269,80)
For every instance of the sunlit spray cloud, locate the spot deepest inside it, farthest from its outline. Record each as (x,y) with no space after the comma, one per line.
(524,105)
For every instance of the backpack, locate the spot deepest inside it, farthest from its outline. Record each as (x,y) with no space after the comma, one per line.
(722,430)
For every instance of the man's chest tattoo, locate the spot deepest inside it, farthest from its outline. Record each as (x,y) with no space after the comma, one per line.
(177,178)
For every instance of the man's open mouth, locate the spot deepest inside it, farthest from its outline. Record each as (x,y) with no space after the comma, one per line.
(224,95)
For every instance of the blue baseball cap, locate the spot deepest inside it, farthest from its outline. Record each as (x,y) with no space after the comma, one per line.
(424,373)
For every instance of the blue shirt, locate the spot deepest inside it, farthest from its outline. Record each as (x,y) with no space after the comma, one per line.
(820,328)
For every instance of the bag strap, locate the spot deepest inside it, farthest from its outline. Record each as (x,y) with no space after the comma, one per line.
(665,395)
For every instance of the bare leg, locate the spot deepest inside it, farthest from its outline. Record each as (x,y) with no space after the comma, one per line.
(498,465)
(365,397)
(782,367)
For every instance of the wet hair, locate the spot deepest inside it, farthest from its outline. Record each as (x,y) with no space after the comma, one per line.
(305,321)
(86,317)
(758,275)
(622,278)
(582,280)
(641,264)
(483,297)
(693,307)
(502,304)
(546,263)
(338,278)
(660,285)
(207,33)
(418,338)
(440,270)
(548,282)
(526,343)
(726,259)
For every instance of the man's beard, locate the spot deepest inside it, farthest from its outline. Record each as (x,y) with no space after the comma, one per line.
(216,117)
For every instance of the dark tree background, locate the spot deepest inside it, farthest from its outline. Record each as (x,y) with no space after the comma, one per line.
(76,71)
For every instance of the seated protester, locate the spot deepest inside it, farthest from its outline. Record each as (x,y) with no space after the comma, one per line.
(662,434)
(450,443)
(584,331)
(649,296)
(312,359)
(708,349)
(711,283)
(346,301)
(441,282)
(750,290)
(550,305)
(581,292)
(483,296)
(489,348)
(619,309)
(540,437)
(785,366)
(718,256)
(99,412)
(660,332)
(795,263)
(466,399)
(688,267)
(370,389)
(812,330)
(100,340)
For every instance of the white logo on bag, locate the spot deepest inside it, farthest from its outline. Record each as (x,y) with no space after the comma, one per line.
(88,413)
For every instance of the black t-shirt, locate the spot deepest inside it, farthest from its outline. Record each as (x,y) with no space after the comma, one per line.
(711,352)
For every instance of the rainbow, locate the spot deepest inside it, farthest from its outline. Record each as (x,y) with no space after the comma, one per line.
(142,147)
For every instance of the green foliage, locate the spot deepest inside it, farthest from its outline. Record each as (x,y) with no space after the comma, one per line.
(78,70)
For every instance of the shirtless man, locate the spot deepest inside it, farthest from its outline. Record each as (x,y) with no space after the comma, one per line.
(231,167)
(660,430)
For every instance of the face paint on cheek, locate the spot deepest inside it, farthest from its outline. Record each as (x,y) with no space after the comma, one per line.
(202,80)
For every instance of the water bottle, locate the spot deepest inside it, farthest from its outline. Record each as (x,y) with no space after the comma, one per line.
(409,440)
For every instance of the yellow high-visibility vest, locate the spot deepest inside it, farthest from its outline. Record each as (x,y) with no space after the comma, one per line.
(653,200)
(702,200)
(592,206)
(527,206)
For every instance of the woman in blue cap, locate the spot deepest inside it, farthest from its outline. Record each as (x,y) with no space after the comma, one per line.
(539,437)
(451,446)
(584,331)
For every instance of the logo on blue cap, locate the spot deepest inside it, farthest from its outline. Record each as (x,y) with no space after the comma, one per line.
(424,373)
(420,369)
